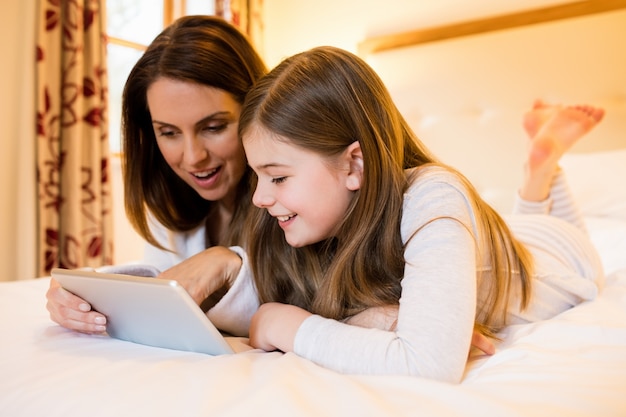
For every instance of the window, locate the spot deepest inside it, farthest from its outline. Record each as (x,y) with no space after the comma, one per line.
(131,26)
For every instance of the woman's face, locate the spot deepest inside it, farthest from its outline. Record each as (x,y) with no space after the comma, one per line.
(196,131)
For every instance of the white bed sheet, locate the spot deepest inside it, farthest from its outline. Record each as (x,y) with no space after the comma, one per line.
(571,365)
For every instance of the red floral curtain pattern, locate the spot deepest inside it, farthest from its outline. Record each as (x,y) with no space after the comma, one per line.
(245,14)
(75,224)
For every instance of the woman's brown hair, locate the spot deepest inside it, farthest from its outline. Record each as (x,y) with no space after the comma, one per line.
(199,49)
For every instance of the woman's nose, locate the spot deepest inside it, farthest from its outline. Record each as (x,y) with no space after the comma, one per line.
(194,151)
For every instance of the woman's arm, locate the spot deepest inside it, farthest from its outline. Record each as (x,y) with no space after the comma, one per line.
(206,272)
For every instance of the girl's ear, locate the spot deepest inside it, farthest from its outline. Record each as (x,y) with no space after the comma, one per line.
(354,156)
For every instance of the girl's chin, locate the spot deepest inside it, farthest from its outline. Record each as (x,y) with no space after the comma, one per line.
(300,243)
(295,243)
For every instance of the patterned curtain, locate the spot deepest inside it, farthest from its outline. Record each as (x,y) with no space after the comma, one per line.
(75,224)
(245,14)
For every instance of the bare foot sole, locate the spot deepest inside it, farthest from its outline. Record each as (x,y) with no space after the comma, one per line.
(560,131)
(536,117)
(556,129)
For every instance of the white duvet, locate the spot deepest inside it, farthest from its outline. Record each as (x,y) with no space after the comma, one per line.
(571,365)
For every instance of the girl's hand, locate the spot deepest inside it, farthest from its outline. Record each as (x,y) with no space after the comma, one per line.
(203,274)
(483,343)
(386,318)
(274,326)
(72,312)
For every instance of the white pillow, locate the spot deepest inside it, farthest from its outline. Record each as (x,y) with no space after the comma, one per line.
(609,237)
(597,181)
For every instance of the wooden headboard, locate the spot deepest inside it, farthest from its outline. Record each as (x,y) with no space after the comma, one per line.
(489,24)
(465,95)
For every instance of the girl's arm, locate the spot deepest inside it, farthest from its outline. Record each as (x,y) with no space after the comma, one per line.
(437,305)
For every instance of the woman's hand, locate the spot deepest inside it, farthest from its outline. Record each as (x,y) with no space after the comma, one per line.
(73,312)
(203,274)
(386,318)
(274,326)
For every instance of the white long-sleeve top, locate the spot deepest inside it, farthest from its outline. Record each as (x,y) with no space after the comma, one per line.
(439,288)
(181,245)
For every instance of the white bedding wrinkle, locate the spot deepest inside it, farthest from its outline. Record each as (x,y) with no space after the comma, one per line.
(573,364)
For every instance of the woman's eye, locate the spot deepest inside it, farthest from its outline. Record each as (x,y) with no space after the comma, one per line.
(215,127)
(279,180)
(167,133)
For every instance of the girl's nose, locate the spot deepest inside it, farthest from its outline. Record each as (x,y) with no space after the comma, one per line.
(262,198)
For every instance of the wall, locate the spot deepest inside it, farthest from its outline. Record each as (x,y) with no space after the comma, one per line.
(292,26)
(17,175)
(128,245)
(465,97)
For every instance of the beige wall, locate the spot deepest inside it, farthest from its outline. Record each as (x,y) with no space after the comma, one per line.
(465,97)
(292,26)
(17,191)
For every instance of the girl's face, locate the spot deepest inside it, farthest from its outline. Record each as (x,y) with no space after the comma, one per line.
(196,131)
(306,194)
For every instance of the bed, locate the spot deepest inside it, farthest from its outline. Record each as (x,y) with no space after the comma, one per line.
(571,365)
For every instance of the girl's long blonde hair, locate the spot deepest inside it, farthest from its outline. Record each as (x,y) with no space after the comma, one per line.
(323,100)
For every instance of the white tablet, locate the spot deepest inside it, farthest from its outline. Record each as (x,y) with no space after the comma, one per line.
(149,311)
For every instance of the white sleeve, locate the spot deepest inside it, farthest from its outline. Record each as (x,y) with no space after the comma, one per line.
(181,245)
(234,311)
(437,304)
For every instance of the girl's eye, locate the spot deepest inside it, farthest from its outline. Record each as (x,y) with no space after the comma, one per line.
(279,180)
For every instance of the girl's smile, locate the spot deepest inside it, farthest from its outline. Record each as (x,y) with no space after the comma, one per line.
(285,221)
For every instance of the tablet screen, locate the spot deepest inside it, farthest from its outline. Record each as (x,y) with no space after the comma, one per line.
(148,311)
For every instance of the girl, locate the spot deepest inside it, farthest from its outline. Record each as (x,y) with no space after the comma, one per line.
(186,181)
(361,224)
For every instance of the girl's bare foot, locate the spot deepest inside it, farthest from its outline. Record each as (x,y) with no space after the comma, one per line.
(536,117)
(557,129)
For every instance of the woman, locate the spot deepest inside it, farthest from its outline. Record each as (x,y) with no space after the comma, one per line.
(185,172)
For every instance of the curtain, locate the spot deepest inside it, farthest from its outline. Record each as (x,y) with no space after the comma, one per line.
(245,14)
(74,213)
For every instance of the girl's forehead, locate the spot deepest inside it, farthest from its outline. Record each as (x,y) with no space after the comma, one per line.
(266,149)
(257,132)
